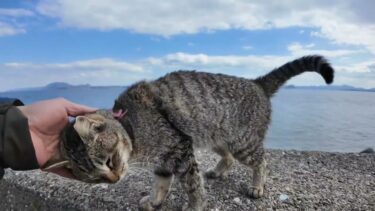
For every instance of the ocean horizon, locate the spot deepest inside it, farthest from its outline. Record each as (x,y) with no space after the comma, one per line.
(316,119)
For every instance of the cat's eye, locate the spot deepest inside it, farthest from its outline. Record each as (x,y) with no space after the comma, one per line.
(109,163)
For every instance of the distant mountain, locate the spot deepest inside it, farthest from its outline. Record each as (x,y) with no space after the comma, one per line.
(54,85)
(95,96)
(331,87)
(58,85)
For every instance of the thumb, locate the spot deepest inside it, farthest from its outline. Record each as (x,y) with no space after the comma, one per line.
(74,109)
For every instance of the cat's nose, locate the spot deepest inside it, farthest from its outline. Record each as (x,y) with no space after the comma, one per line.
(111,177)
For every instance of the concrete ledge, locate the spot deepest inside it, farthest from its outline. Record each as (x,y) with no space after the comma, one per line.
(297,181)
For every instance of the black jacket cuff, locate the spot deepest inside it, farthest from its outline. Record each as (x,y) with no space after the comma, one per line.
(16,148)
(10,101)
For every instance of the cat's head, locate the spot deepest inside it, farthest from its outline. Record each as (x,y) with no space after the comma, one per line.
(96,148)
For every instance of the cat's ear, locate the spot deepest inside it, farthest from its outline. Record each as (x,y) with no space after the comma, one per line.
(82,126)
(95,123)
(98,126)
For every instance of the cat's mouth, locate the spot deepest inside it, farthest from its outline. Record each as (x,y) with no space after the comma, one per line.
(108,177)
(102,176)
(111,177)
(115,176)
(119,114)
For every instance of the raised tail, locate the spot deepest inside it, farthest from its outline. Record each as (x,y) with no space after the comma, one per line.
(272,81)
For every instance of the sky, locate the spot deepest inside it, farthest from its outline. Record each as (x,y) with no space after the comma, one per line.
(119,42)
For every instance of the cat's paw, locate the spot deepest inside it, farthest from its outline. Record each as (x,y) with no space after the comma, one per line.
(254,192)
(145,204)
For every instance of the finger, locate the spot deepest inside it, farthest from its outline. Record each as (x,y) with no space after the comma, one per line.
(74,109)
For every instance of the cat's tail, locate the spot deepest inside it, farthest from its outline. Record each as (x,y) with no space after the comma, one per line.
(272,81)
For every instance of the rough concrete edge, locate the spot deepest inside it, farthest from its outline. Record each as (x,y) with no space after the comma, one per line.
(29,195)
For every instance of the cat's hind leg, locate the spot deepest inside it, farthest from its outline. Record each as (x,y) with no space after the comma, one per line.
(179,161)
(222,168)
(192,183)
(254,158)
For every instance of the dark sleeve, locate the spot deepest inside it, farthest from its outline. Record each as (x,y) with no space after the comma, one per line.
(16,148)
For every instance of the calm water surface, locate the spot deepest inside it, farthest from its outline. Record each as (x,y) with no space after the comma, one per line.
(340,121)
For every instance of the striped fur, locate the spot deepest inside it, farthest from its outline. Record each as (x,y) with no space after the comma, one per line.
(275,79)
(169,117)
(187,109)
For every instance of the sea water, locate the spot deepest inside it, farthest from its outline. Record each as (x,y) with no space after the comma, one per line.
(324,120)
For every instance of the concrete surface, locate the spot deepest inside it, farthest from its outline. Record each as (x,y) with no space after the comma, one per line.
(296,181)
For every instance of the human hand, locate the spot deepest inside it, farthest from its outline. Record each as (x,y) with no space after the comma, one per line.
(46,121)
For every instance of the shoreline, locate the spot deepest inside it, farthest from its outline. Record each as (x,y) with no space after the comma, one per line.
(297,180)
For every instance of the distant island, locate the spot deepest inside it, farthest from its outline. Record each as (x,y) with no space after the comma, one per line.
(59,86)
(95,96)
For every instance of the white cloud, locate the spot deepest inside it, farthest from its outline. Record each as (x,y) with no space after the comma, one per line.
(114,72)
(104,71)
(7,29)
(247,47)
(360,67)
(345,32)
(10,27)
(103,64)
(347,22)
(297,49)
(107,71)
(15,12)
(252,66)
(219,63)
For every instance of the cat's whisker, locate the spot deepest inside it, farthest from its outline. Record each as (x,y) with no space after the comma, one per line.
(135,169)
(140,162)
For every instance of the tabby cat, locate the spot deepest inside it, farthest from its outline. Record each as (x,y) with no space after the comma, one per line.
(167,118)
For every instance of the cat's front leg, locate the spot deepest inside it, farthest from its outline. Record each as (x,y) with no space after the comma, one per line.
(163,181)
